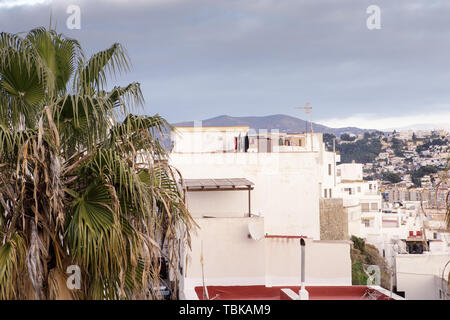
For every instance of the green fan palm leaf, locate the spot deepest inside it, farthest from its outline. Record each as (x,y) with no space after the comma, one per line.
(82,181)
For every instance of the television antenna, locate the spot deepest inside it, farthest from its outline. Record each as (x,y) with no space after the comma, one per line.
(308,110)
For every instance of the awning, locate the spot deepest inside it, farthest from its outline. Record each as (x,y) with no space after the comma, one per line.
(217,184)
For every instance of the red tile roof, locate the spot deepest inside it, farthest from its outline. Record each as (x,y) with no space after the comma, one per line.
(273,293)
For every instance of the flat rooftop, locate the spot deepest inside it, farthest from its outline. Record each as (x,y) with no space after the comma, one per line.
(262,292)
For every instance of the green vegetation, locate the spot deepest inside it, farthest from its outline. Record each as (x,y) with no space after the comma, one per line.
(416,175)
(392,177)
(363,255)
(362,151)
(359,277)
(397,146)
(347,137)
(82,181)
(328,140)
(427,144)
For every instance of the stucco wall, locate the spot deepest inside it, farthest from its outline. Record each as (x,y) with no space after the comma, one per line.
(232,258)
(286,190)
(416,274)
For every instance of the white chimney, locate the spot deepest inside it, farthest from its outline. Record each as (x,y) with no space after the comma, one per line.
(303,294)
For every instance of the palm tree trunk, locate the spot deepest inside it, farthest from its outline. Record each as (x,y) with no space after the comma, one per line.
(34,262)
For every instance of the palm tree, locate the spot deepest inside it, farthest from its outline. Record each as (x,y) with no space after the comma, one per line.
(82,181)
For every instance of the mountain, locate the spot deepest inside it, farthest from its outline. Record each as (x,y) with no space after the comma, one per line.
(282,122)
(424,126)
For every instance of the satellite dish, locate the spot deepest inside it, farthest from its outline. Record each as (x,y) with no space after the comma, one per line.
(255,230)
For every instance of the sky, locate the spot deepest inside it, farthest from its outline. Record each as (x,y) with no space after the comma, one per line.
(197,59)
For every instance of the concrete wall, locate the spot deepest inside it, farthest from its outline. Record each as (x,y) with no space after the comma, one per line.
(207,139)
(286,190)
(218,203)
(333,220)
(327,262)
(416,274)
(351,171)
(232,258)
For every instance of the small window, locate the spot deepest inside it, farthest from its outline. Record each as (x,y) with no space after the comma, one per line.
(330,194)
(338,172)
(359,189)
(329,169)
(325,192)
(364,207)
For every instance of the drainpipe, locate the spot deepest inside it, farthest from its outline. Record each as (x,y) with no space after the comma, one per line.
(334,160)
(303,294)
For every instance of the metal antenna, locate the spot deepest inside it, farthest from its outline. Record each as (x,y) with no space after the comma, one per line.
(308,110)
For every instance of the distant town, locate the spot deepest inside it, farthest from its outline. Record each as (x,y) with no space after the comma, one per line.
(409,164)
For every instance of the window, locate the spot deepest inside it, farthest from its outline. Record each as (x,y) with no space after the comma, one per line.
(329,169)
(330,194)
(364,207)
(374,206)
(338,172)
(359,189)
(370,186)
(325,193)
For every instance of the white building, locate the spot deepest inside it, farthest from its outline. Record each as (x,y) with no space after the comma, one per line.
(362,200)
(423,276)
(253,207)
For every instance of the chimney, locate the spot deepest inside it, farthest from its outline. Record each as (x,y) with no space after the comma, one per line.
(303,294)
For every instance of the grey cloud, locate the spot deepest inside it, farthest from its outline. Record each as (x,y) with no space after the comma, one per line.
(202,58)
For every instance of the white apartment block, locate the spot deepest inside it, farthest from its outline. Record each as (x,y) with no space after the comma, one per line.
(254,197)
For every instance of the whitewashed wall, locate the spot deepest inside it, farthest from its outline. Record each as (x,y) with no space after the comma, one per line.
(232,258)
(416,274)
(286,190)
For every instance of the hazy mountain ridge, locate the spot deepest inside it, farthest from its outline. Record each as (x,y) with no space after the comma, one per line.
(282,122)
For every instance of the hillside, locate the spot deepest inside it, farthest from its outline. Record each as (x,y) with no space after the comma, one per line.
(284,123)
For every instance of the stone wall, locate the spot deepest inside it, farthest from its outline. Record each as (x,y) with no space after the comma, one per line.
(333,220)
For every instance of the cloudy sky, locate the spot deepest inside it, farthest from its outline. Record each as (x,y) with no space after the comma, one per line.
(197,59)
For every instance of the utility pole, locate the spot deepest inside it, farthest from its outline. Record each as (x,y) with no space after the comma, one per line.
(308,110)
